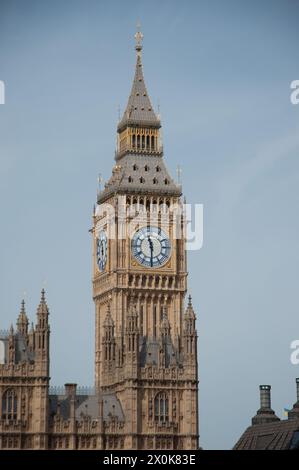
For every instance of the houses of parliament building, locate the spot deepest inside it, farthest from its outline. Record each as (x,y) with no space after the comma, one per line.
(146,375)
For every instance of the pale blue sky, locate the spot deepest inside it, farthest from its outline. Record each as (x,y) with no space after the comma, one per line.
(221,72)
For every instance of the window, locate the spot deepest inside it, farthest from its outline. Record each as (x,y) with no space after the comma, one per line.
(146,168)
(158,169)
(130,179)
(135,167)
(141,180)
(155,181)
(9,405)
(161,408)
(166,181)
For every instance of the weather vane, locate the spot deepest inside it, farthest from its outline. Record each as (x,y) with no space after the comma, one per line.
(138,38)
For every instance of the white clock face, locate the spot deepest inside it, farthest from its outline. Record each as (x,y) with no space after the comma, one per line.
(102,250)
(151,247)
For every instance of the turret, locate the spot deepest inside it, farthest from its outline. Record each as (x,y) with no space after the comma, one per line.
(42,330)
(11,346)
(108,340)
(189,330)
(132,338)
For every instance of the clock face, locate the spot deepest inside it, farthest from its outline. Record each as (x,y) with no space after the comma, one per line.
(102,250)
(151,247)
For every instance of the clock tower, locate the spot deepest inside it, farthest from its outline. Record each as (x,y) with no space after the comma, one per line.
(145,338)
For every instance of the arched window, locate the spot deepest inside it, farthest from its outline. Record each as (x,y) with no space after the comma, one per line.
(158,169)
(138,141)
(135,167)
(143,141)
(130,179)
(147,141)
(146,168)
(9,405)
(134,140)
(155,181)
(161,408)
(141,180)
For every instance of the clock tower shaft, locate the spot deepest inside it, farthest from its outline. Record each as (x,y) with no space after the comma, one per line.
(145,339)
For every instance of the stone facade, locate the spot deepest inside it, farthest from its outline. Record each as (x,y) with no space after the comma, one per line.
(146,378)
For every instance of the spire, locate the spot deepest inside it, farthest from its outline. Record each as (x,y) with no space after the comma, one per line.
(43,308)
(108,322)
(139,109)
(165,325)
(22,322)
(189,314)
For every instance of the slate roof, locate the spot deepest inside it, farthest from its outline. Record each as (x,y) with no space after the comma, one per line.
(87,405)
(278,435)
(139,109)
(138,174)
(22,353)
(149,352)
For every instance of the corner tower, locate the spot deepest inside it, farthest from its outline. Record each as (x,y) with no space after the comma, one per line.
(142,343)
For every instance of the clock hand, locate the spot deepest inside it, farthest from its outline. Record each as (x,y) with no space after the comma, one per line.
(151,248)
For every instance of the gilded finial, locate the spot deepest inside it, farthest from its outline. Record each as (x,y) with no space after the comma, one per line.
(138,38)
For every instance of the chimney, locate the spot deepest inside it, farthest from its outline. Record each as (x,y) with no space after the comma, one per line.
(265,396)
(294,413)
(265,414)
(70,391)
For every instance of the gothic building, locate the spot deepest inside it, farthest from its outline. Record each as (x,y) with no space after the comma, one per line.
(146,378)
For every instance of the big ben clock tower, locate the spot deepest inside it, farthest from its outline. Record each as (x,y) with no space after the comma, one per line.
(145,338)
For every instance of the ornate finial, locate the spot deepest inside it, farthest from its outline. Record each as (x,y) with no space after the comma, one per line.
(138,37)
(43,299)
(23,306)
(189,301)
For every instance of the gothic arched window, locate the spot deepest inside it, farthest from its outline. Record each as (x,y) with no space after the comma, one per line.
(9,405)
(161,407)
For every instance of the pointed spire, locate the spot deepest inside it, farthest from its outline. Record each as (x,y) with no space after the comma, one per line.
(189,311)
(43,308)
(139,109)
(165,325)
(22,322)
(108,322)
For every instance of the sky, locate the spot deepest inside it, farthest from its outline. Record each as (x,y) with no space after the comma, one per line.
(221,73)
